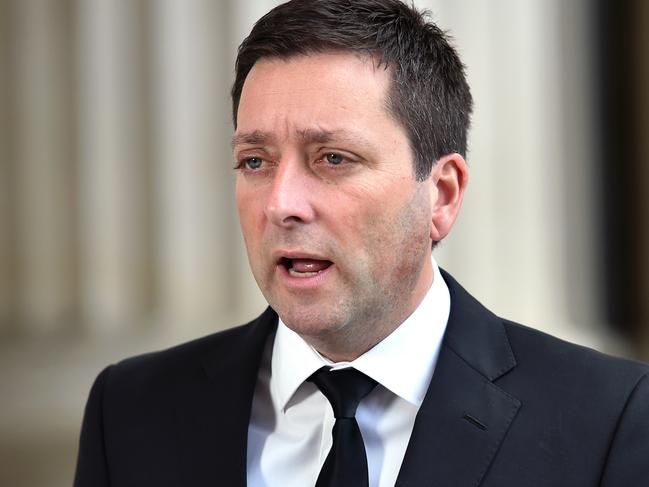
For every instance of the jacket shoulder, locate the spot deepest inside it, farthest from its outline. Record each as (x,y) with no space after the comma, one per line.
(174,366)
(556,379)
(536,349)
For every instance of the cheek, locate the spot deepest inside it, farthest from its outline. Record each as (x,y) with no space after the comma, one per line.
(249,222)
(249,202)
(383,211)
(359,223)
(368,233)
(401,229)
(364,202)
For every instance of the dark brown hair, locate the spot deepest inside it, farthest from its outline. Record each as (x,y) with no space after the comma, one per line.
(428,95)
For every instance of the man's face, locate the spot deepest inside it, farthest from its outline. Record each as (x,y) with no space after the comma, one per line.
(336,227)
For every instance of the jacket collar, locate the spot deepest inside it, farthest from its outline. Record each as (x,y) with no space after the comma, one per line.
(476,334)
(464,416)
(213,422)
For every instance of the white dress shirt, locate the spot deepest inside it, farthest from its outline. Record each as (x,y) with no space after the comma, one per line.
(289,435)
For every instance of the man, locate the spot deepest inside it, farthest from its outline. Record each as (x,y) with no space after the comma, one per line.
(350,136)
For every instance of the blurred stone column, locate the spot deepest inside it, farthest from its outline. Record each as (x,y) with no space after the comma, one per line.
(6,227)
(527,172)
(114,164)
(43,163)
(193,164)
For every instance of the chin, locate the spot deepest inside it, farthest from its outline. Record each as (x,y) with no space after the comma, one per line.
(308,321)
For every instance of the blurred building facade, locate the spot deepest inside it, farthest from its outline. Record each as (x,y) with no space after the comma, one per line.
(118,230)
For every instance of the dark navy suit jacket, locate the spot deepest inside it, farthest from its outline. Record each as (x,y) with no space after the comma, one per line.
(507,406)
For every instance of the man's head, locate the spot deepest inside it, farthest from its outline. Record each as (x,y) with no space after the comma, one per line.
(338,226)
(428,93)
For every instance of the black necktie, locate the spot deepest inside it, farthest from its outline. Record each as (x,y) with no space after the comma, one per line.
(346,463)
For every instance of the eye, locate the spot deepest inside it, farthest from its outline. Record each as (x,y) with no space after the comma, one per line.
(252,162)
(335,159)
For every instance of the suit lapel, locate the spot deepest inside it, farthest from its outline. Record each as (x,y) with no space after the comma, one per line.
(214,413)
(464,416)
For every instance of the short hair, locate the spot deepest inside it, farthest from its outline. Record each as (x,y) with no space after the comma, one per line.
(428,94)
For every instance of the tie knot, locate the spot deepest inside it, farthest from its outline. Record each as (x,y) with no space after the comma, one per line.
(344,388)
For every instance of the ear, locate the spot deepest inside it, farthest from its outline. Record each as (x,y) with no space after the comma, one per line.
(449,178)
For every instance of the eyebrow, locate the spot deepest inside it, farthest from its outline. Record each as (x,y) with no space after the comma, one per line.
(308,136)
(320,136)
(253,138)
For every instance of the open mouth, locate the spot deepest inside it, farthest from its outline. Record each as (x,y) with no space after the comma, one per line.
(305,267)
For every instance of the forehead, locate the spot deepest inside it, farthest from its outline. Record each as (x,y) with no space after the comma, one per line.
(328,91)
(335,68)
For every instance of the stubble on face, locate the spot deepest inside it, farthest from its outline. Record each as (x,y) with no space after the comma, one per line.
(379,295)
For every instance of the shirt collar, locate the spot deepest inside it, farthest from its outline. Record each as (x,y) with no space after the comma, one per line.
(403,362)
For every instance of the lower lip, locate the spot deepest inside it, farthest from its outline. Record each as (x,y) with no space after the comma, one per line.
(303,282)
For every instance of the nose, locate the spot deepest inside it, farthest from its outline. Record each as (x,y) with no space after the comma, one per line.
(290,200)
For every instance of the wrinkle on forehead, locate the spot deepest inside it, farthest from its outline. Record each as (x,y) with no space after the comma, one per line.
(306,136)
